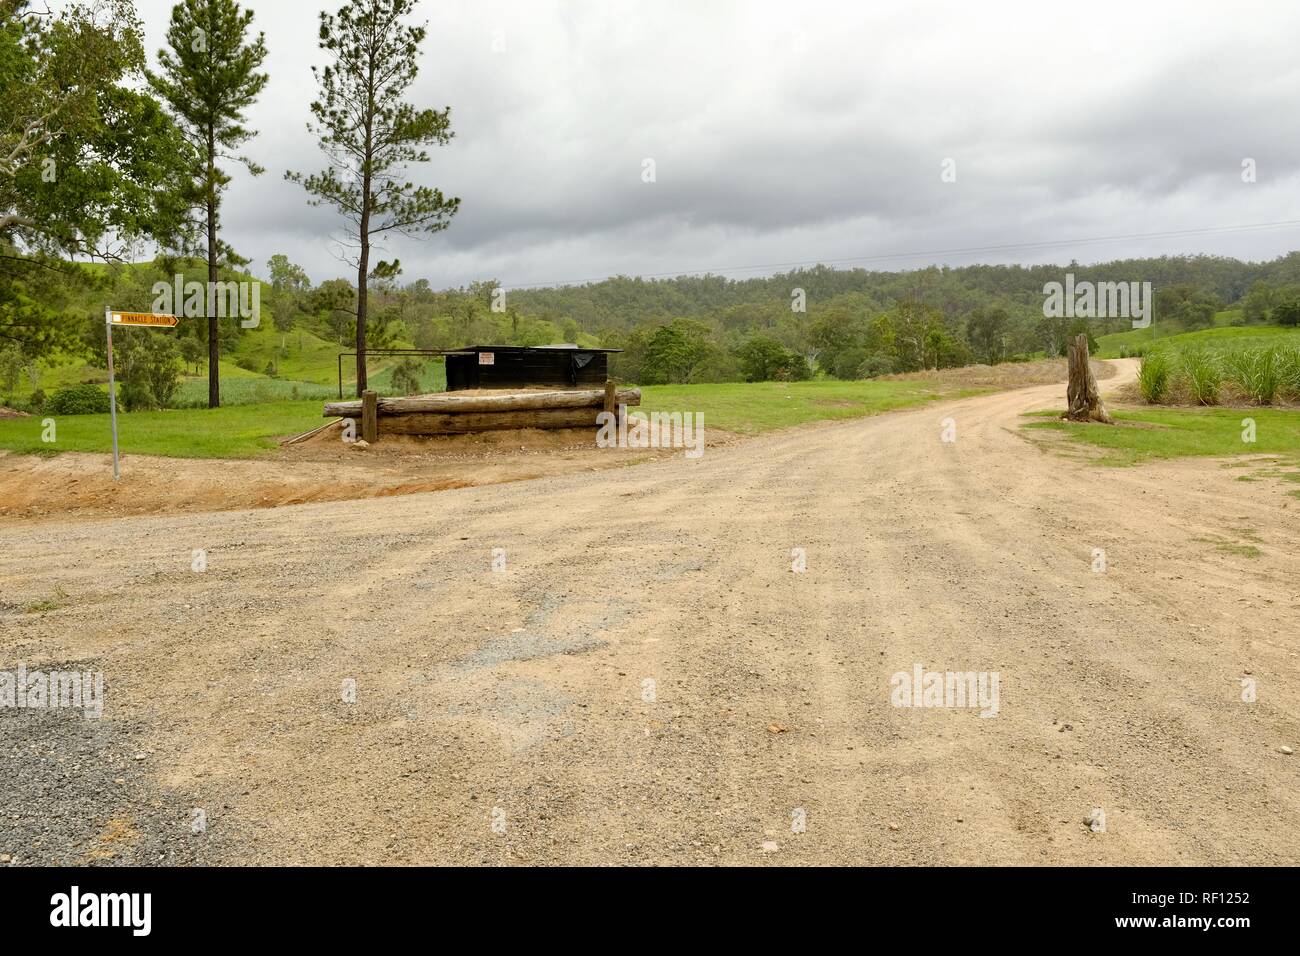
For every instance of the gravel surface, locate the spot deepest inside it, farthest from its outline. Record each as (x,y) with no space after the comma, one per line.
(650,680)
(81,791)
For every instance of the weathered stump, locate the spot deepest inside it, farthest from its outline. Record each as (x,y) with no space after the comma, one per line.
(1084,400)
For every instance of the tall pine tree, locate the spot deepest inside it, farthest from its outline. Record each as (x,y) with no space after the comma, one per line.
(209,77)
(370,135)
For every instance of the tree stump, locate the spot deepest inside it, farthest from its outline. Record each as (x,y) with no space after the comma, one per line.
(1084,399)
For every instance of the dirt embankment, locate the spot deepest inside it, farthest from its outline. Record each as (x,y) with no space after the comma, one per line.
(322,468)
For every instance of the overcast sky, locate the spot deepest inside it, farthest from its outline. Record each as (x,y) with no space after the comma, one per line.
(797,132)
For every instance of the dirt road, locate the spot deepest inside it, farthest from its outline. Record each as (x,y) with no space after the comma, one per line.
(649,681)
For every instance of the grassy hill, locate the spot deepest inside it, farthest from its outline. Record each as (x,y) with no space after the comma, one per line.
(306,367)
(1117,344)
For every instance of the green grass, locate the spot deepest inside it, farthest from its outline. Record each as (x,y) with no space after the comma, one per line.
(245,431)
(233,431)
(52,603)
(298,355)
(748,408)
(433,376)
(248,389)
(1228,546)
(1182,432)
(1109,346)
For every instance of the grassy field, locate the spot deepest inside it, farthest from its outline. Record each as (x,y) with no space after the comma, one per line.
(234,431)
(248,389)
(1110,346)
(1181,432)
(245,431)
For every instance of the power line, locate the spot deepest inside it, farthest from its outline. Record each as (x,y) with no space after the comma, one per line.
(969,250)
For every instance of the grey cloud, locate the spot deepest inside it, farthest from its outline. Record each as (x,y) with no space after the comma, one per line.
(792,135)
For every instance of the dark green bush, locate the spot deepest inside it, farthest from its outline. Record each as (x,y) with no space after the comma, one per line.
(83,399)
(876,363)
(136,396)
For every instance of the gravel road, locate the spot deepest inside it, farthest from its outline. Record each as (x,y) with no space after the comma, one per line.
(649,680)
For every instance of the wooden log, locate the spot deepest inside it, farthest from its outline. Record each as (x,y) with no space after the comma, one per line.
(370,416)
(449,403)
(436,423)
(1082,395)
(611,397)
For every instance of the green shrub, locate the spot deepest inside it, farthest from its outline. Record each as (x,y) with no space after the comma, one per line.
(1289,372)
(406,377)
(1287,313)
(36,403)
(1204,375)
(1258,372)
(149,369)
(1153,376)
(876,363)
(83,399)
(136,397)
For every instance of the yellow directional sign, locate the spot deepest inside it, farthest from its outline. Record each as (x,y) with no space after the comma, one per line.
(149,319)
(143,318)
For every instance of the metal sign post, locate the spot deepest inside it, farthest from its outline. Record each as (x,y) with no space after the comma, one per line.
(112,391)
(111,318)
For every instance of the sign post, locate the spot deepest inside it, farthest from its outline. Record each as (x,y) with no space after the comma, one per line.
(111,319)
(112,391)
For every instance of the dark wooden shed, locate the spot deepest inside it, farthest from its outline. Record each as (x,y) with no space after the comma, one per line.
(517,366)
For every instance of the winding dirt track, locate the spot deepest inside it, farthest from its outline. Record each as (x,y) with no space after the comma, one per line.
(518,697)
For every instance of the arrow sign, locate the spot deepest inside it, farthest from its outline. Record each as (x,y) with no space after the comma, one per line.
(143,318)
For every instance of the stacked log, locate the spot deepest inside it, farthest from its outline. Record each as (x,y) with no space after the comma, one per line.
(452,414)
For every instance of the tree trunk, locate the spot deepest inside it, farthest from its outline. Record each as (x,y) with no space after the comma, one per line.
(210,300)
(1084,399)
(363,260)
(362,268)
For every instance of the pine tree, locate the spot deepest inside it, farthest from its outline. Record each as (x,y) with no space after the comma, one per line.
(209,79)
(369,136)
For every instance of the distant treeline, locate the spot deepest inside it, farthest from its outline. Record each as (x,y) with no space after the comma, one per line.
(856,323)
(844,323)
